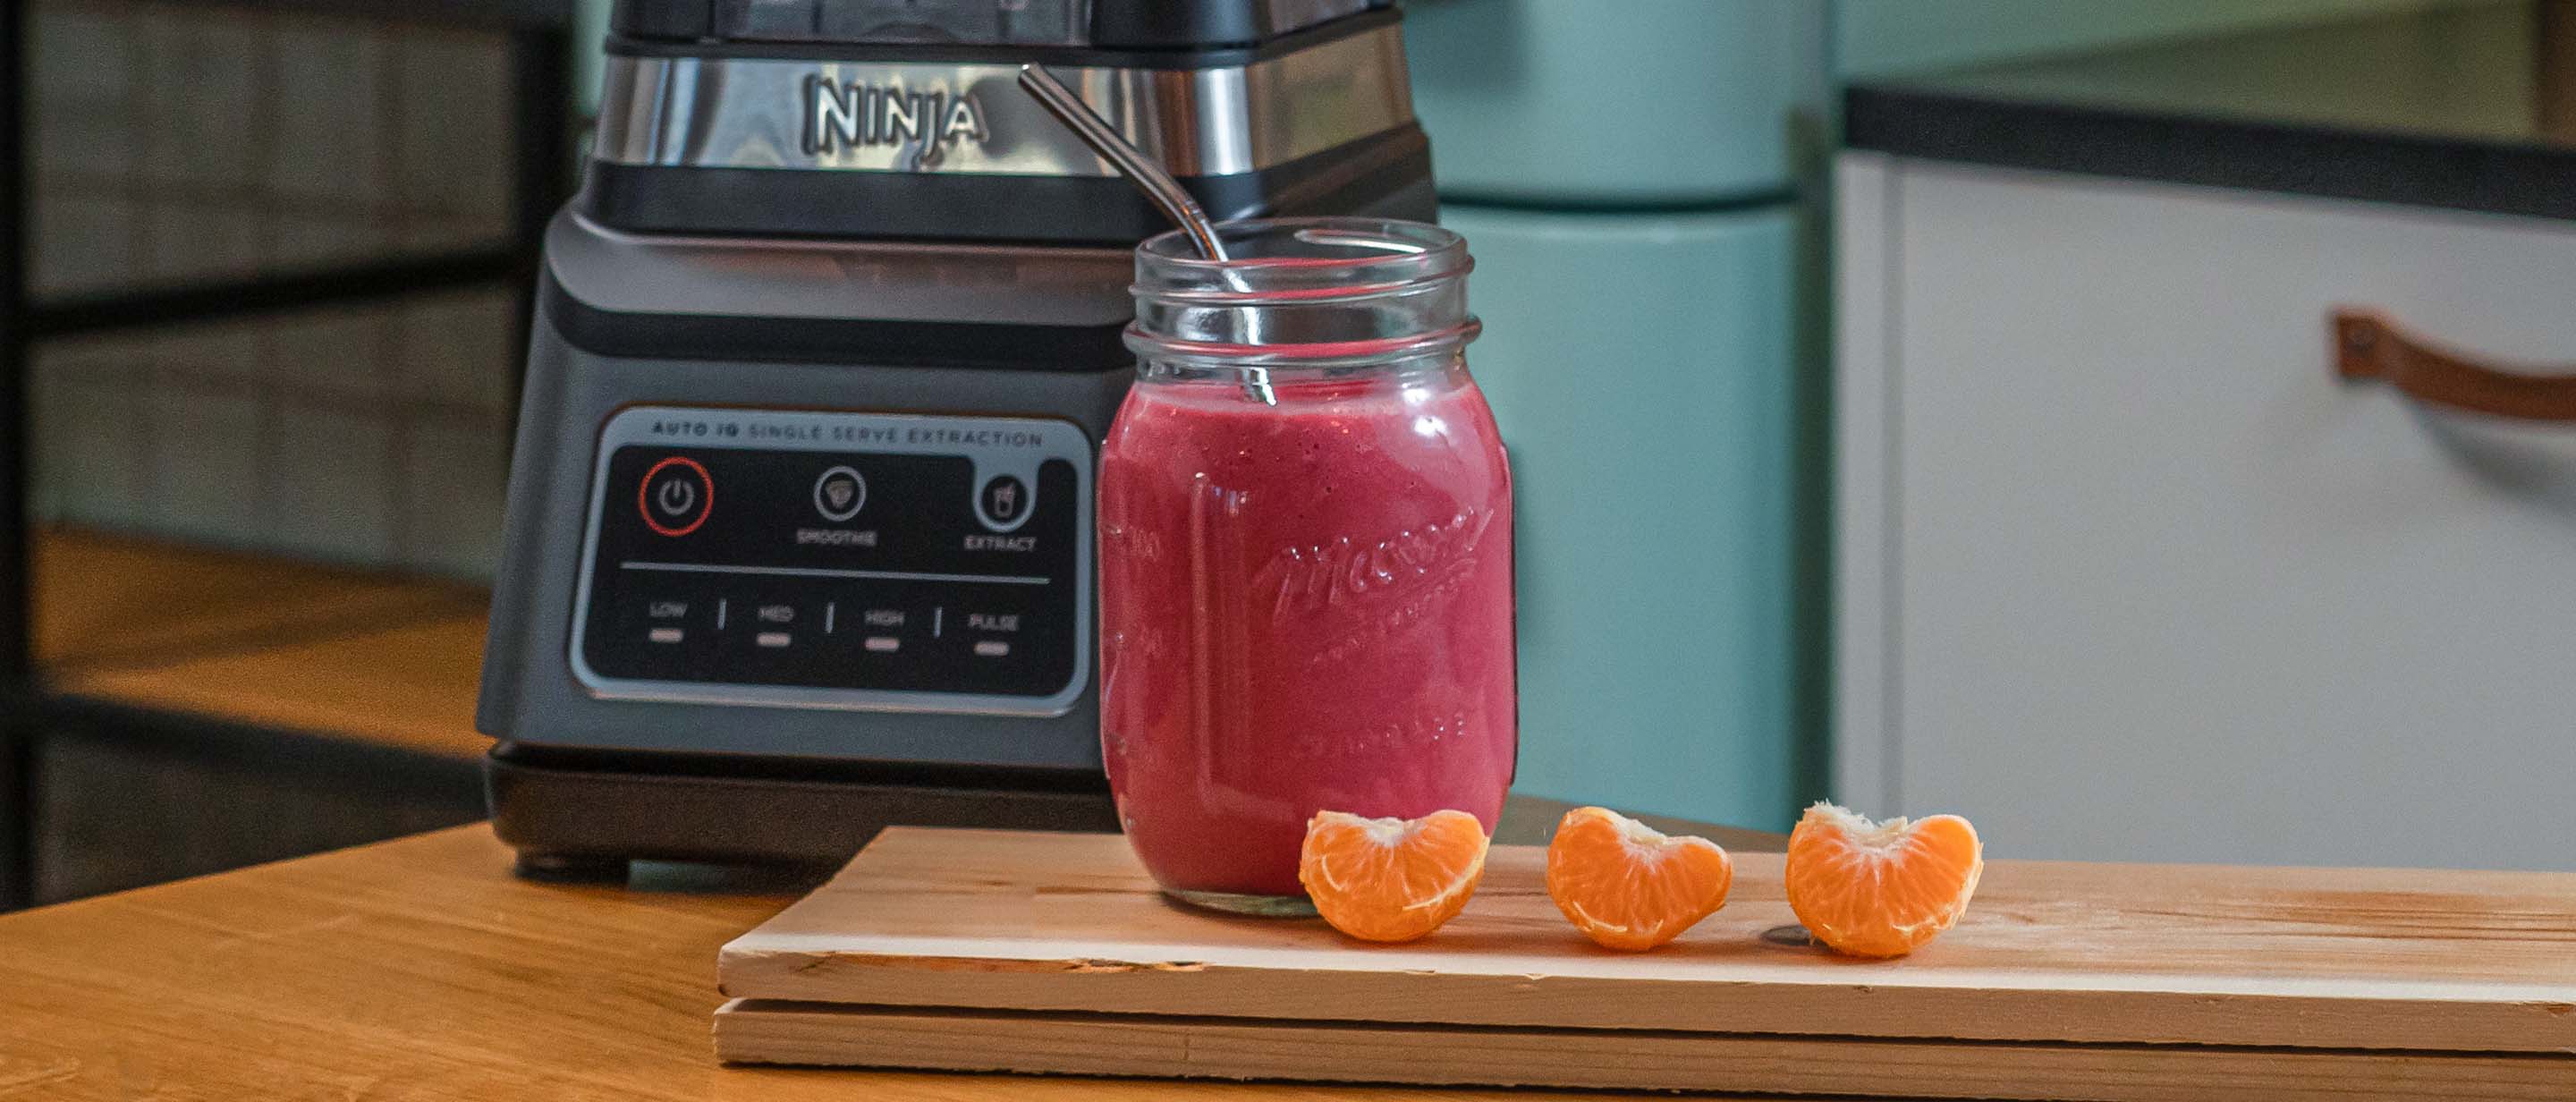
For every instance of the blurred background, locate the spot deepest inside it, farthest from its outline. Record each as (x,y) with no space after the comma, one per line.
(263,342)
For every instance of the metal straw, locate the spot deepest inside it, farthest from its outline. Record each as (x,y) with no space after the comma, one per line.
(1157,184)
(1094,131)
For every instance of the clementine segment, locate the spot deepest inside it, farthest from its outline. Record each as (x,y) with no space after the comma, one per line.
(1871,889)
(1391,879)
(1628,887)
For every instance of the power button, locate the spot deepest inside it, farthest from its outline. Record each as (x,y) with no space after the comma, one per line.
(675,496)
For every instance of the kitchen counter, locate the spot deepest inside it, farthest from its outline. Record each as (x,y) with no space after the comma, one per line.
(2468,108)
(259,642)
(420,968)
(199,709)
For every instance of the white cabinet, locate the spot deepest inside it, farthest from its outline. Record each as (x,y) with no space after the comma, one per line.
(2125,571)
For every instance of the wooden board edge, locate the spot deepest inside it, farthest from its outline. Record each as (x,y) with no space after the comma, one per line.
(1895,1012)
(755,1031)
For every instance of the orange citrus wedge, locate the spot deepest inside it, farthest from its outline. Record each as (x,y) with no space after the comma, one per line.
(1873,889)
(1628,887)
(1391,879)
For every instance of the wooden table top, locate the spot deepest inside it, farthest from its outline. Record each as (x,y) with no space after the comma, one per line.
(261,640)
(409,686)
(106,603)
(421,969)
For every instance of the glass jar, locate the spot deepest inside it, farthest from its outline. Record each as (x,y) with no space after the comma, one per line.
(1305,553)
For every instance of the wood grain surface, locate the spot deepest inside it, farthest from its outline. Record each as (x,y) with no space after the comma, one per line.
(104,601)
(410,685)
(420,969)
(2398,960)
(261,640)
(1234,1048)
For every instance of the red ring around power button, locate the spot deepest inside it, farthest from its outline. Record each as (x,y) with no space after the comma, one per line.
(704,490)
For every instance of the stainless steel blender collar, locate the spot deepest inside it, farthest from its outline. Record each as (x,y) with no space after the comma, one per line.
(891,116)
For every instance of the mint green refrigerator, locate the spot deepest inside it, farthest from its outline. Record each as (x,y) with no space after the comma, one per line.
(1637,181)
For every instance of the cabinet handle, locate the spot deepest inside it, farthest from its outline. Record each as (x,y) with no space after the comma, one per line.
(2369,346)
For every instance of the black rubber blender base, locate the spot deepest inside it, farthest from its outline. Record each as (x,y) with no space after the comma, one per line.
(583,816)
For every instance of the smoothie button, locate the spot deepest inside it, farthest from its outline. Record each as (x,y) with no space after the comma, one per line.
(839,493)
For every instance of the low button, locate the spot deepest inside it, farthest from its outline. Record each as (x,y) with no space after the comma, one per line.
(839,493)
(675,496)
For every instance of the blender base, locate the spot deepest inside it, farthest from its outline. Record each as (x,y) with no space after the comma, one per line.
(582,815)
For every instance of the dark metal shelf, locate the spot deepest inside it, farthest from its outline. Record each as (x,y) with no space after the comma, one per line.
(184,303)
(540,51)
(527,15)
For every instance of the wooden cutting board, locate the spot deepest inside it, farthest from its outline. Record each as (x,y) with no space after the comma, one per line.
(1006,951)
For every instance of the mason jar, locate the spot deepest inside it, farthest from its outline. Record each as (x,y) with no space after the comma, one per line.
(1305,553)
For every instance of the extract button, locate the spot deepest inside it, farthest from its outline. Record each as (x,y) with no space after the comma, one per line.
(1003,502)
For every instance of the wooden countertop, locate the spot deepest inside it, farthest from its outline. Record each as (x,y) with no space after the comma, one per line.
(260,640)
(420,968)
(112,602)
(410,686)
(417,968)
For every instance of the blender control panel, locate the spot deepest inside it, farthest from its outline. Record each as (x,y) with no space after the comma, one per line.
(837,560)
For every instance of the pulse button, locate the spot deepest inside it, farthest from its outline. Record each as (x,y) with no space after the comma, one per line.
(675,496)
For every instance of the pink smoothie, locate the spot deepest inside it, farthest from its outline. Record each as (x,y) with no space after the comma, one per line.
(1303,606)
